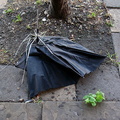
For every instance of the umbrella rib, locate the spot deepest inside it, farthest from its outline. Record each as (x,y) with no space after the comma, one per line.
(27,56)
(22,44)
(46,46)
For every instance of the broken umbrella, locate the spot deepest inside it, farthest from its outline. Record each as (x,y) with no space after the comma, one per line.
(54,62)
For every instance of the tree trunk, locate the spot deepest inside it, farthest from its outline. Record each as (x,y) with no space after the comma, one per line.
(59,9)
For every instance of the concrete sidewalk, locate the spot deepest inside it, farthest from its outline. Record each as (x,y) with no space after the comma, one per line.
(50,110)
(62,104)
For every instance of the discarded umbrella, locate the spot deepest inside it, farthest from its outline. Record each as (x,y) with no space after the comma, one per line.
(53,62)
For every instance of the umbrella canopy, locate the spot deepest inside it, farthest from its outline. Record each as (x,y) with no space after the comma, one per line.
(57,62)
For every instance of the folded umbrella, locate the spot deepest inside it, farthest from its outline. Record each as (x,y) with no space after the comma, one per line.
(55,62)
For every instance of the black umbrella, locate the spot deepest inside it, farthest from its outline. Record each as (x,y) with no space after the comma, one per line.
(54,62)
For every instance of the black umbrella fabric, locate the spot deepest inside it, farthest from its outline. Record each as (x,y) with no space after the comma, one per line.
(57,63)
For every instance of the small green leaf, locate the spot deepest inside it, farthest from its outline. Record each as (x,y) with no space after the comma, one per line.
(87,100)
(18,18)
(93,104)
(109,23)
(92,15)
(39,2)
(86,96)
(9,10)
(92,99)
(99,96)
(28,26)
(93,95)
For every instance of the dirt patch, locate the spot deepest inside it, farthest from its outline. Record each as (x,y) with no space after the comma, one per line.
(86,25)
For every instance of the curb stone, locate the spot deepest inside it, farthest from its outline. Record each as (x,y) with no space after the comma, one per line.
(116,41)
(112,3)
(115,13)
(116,16)
(20,111)
(80,111)
(75,110)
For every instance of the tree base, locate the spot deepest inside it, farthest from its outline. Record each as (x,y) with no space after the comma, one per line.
(59,9)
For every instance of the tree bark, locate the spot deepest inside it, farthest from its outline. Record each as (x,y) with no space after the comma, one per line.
(59,9)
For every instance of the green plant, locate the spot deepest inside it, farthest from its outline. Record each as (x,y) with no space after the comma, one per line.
(100,96)
(38,100)
(3,51)
(112,58)
(90,98)
(109,23)
(9,10)
(93,99)
(38,2)
(18,18)
(28,26)
(92,15)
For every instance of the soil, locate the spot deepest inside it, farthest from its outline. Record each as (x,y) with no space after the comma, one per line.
(85,25)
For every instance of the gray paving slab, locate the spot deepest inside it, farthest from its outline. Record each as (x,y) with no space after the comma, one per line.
(2,3)
(80,111)
(116,41)
(105,78)
(10,80)
(112,3)
(62,94)
(116,16)
(18,111)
